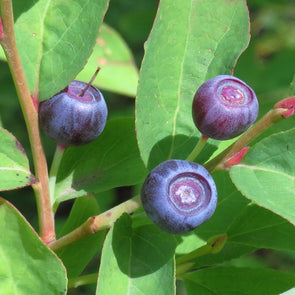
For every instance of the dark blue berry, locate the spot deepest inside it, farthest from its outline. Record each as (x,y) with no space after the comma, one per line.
(72,119)
(224,107)
(179,195)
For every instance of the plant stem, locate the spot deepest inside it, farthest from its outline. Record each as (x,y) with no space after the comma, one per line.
(30,113)
(214,245)
(270,118)
(83,280)
(185,263)
(206,249)
(96,223)
(54,169)
(197,149)
(183,268)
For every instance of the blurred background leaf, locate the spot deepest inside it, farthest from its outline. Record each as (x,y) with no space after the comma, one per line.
(118,72)
(54,39)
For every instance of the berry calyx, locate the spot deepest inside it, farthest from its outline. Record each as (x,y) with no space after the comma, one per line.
(75,116)
(179,195)
(224,107)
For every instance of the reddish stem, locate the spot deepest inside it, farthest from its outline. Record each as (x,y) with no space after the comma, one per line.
(96,223)
(273,116)
(1,29)
(30,113)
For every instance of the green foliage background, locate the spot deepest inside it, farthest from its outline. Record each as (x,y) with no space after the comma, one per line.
(267,65)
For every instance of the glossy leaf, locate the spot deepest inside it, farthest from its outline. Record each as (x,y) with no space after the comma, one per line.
(118,71)
(270,169)
(110,161)
(261,228)
(235,280)
(191,41)
(54,39)
(136,261)
(14,164)
(77,255)
(27,265)
(248,227)
(230,205)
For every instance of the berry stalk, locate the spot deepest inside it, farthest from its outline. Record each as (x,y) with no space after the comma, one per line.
(41,188)
(96,223)
(273,116)
(198,148)
(213,246)
(83,280)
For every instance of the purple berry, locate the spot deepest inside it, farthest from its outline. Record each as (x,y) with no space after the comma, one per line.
(224,107)
(179,195)
(72,119)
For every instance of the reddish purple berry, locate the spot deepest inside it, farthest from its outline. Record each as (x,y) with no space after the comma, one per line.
(224,107)
(179,195)
(72,119)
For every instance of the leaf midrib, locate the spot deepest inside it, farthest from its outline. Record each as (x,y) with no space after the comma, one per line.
(264,169)
(180,84)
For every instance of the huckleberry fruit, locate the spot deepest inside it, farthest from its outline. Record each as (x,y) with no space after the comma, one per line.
(72,119)
(224,107)
(179,195)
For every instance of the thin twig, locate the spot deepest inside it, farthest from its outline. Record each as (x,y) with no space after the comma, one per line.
(96,223)
(270,118)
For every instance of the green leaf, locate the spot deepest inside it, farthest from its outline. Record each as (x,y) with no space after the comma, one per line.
(191,41)
(54,39)
(76,256)
(235,280)
(267,174)
(14,164)
(292,87)
(27,265)
(289,292)
(261,228)
(231,205)
(137,261)
(247,226)
(118,71)
(230,250)
(112,160)
(106,199)
(2,54)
